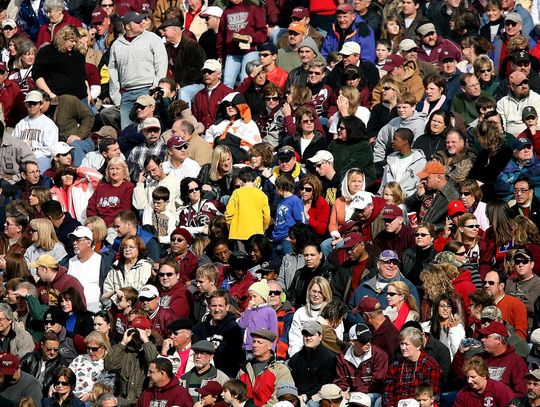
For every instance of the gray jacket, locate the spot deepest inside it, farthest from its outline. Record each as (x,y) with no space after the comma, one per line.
(12,153)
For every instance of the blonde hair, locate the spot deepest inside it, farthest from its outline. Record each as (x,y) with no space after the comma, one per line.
(68,32)
(436,282)
(117,161)
(47,238)
(403,289)
(397,192)
(99,228)
(326,291)
(220,153)
(199,245)
(353,95)
(99,338)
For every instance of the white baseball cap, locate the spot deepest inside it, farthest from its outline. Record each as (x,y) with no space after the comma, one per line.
(322,155)
(350,48)
(82,231)
(212,11)
(212,65)
(61,148)
(361,199)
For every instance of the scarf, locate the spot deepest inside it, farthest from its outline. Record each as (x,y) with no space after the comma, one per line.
(426,108)
(403,313)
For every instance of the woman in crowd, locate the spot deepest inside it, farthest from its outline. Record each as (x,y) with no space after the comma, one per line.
(114,194)
(499,238)
(383,112)
(435,281)
(62,392)
(485,72)
(259,248)
(445,324)
(434,138)
(316,209)
(415,259)
(435,98)
(456,157)
(320,91)
(306,140)
(88,368)
(16,267)
(351,148)
(44,241)
(79,319)
(272,121)
(472,48)
(401,304)
(217,177)
(392,194)
(471,196)
(21,73)
(526,234)
(99,232)
(299,235)
(197,212)
(468,234)
(318,295)
(391,30)
(132,269)
(103,322)
(348,104)
(38,196)
(218,251)
(298,96)
(261,160)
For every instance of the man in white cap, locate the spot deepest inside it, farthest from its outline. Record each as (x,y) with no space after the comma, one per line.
(206,101)
(37,130)
(132,135)
(352,55)
(138,61)
(153,145)
(208,39)
(323,162)
(85,266)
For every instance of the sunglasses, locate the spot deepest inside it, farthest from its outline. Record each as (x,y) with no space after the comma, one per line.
(464,193)
(264,54)
(184,147)
(485,70)
(31,103)
(93,349)
(166,274)
(490,282)
(61,383)
(192,190)
(417,234)
(308,121)
(522,83)
(391,294)
(237,186)
(177,239)
(272,98)
(386,88)
(144,299)
(274,292)
(477,226)
(521,261)
(391,261)
(315,73)
(307,189)
(510,23)
(207,71)
(139,107)
(319,165)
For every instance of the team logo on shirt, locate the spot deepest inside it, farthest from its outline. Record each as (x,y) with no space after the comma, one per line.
(237,21)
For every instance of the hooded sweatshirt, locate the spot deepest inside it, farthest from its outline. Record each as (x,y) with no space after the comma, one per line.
(172,394)
(341,212)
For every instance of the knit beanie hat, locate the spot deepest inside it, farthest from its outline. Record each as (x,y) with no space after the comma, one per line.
(261,288)
(183,232)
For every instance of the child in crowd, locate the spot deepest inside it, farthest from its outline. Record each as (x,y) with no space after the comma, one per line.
(258,314)
(124,302)
(424,395)
(157,215)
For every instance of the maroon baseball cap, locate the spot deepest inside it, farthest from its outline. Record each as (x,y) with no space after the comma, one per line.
(494,327)
(300,12)
(456,207)
(391,212)
(176,141)
(212,387)
(8,364)
(98,16)
(451,53)
(367,304)
(392,61)
(351,240)
(345,8)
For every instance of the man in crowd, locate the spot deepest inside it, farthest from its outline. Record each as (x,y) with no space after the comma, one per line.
(13,153)
(13,339)
(153,145)
(288,57)
(432,44)
(526,202)
(179,164)
(17,384)
(126,225)
(464,102)
(159,317)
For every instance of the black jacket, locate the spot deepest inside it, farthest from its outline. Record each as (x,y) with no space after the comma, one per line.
(312,368)
(30,364)
(318,143)
(298,289)
(188,60)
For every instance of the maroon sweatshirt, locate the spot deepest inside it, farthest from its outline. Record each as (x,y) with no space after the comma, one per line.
(172,394)
(107,201)
(496,394)
(48,292)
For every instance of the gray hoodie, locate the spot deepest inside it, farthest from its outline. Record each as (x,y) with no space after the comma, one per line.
(383,147)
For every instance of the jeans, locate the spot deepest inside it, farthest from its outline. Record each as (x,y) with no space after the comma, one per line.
(44,163)
(326,246)
(277,34)
(187,93)
(235,65)
(80,149)
(282,248)
(126,104)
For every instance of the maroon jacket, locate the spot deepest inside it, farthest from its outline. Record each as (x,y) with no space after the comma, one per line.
(368,377)
(107,201)
(205,108)
(496,394)
(176,299)
(239,289)
(46,33)
(386,337)
(12,100)
(172,394)
(161,321)
(245,19)
(48,293)
(441,45)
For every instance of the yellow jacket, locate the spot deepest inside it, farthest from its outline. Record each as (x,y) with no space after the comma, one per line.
(248,213)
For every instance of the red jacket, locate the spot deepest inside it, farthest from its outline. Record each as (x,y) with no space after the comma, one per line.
(161,321)
(47,32)
(319,216)
(205,108)
(172,394)
(262,387)
(284,321)
(368,377)
(495,394)
(239,289)
(12,100)
(463,285)
(48,292)
(178,299)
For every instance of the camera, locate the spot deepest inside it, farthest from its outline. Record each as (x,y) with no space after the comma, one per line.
(156,92)
(470,343)
(134,332)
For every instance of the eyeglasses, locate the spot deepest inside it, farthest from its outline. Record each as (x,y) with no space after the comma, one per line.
(177,239)
(476,226)
(93,348)
(524,82)
(275,292)
(61,383)
(272,98)
(308,121)
(488,70)
(510,23)
(107,5)
(306,188)
(445,306)
(315,73)
(391,294)
(418,234)
(342,128)
(207,71)
(192,190)
(487,282)
(463,253)
(521,261)
(521,190)
(464,193)
(184,147)
(391,261)
(166,274)
(264,54)
(139,107)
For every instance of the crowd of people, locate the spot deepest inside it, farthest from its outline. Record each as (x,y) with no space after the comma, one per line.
(245,203)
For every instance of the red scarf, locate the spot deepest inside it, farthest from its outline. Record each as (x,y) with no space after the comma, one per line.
(403,313)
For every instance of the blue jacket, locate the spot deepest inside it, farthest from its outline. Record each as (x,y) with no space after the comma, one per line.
(504,183)
(528,24)
(290,211)
(29,21)
(333,42)
(369,288)
(152,245)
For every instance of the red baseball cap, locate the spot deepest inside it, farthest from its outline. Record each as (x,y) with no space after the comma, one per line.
(367,304)
(98,16)
(300,12)
(391,212)
(494,327)
(455,207)
(140,322)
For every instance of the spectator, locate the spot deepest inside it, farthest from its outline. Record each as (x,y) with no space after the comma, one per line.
(44,241)
(173,276)
(426,34)
(18,384)
(179,163)
(177,348)
(208,39)
(58,18)
(158,316)
(79,319)
(153,145)
(464,102)
(71,344)
(13,153)
(14,340)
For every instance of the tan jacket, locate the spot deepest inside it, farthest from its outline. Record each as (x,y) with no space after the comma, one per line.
(411,78)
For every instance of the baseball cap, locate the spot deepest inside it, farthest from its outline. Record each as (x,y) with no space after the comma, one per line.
(345,8)
(211,65)
(360,333)
(55,315)
(361,200)
(535,337)
(82,231)
(285,153)
(286,388)
(494,327)
(312,328)
(350,48)
(534,374)
(265,334)
(34,96)
(8,22)
(145,100)
(171,22)
(98,16)
(367,304)
(392,61)
(359,399)
(151,122)
(432,167)
(521,142)
(45,260)
(449,54)
(212,11)
(212,387)
(523,253)
(140,322)
(517,77)
(8,364)
(322,155)
(106,131)
(176,141)
(60,148)
(351,240)
(491,312)
(300,12)
(528,112)
(426,28)
(520,56)
(297,27)
(388,255)
(148,291)
(132,17)
(407,45)
(513,16)
(391,212)
(455,207)
(329,392)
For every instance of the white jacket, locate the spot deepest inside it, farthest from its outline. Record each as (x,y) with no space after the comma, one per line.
(136,277)
(510,110)
(452,339)
(248,133)
(142,193)
(408,180)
